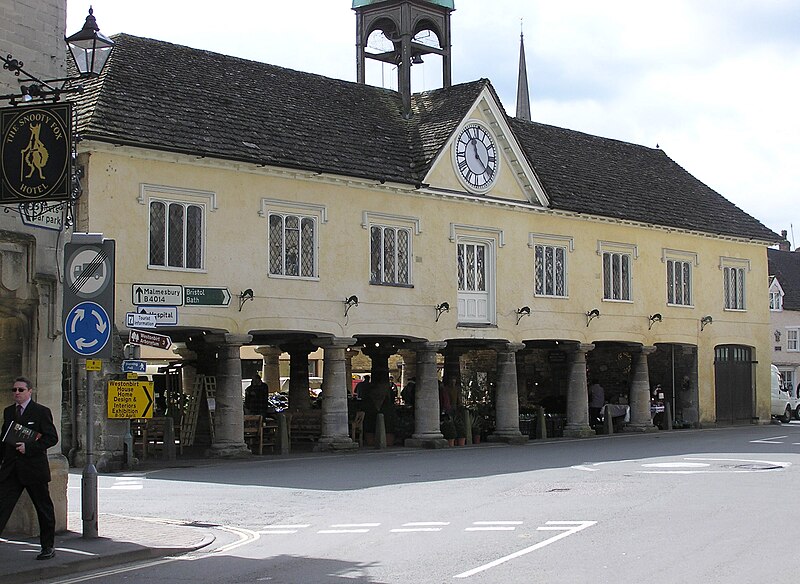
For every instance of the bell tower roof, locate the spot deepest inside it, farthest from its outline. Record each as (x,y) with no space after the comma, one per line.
(444,3)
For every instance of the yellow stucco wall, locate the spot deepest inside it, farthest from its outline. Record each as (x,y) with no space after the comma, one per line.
(236,257)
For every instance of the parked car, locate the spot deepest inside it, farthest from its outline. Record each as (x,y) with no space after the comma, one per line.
(781,402)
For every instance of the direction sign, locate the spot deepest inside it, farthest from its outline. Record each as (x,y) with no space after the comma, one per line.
(165,315)
(130,399)
(149,339)
(206,296)
(134,366)
(136,319)
(157,294)
(87,329)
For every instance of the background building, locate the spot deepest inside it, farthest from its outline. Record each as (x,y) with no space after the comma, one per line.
(31,246)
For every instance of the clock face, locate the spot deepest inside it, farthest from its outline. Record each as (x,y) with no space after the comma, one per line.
(476,157)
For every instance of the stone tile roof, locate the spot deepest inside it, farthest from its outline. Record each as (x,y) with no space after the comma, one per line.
(785,265)
(162,96)
(601,176)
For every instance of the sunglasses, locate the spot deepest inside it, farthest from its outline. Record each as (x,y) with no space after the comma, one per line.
(19,389)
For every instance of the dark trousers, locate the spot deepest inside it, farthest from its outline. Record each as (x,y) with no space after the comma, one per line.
(594,416)
(10,491)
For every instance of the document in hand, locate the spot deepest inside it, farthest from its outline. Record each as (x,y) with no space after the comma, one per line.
(19,433)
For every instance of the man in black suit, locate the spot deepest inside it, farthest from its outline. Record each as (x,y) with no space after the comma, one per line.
(24,466)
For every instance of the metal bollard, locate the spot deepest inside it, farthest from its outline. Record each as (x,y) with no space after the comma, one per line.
(128,447)
(541,428)
(608,421)
(283,435)
(380,432)
(667,416)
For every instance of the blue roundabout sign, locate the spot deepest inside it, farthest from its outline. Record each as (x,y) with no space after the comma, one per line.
(87,328)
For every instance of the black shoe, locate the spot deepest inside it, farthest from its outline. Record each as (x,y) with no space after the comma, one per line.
(47,554)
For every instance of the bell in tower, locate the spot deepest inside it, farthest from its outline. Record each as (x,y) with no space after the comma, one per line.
(401,21)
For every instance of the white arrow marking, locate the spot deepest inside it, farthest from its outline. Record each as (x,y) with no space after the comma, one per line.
(769,440)
(101,324)
(83,344)
(570,527)
(78,316)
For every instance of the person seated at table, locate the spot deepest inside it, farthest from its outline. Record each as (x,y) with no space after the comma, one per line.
(597,399)
(256,397)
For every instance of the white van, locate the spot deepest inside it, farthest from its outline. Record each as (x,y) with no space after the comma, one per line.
(781,403)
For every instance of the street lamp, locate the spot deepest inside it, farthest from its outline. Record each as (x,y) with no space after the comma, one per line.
(90,49)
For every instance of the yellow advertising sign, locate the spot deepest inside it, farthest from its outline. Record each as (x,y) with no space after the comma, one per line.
(130,399)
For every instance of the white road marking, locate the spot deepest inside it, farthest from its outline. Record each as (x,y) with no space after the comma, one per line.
(282,529)
(568,528)
(769,440)
(329,531)
(493,526)
(686,466)
(420,526)
(355,525)
(676,465)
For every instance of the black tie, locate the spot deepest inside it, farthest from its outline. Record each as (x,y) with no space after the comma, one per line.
(19,413)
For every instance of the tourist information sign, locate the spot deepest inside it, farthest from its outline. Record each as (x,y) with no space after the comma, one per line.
(149,339)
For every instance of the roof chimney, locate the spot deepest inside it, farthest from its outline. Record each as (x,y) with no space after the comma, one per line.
(783,245)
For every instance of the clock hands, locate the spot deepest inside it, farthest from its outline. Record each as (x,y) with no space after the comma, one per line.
(474,143)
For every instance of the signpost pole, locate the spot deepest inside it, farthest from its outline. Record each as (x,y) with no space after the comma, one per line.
(89,477)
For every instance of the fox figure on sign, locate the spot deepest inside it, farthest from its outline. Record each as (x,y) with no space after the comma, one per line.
(35,155)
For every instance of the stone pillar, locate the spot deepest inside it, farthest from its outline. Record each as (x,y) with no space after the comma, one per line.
(298,374)
(229,411)
(349,352)
(427,432)
(409,365)
(271,367)
(577,425)
(380,362)
(451,374)
(639,400)
(335,388)
(506,399)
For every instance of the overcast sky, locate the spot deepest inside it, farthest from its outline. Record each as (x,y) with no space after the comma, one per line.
(714,83)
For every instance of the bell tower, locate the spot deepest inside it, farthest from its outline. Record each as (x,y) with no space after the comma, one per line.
(400,21)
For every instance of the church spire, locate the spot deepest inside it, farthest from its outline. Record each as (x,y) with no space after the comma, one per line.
(523,99)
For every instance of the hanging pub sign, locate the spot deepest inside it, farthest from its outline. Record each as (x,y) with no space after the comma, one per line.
(35,153)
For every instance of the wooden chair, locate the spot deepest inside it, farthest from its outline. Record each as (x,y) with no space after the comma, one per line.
(357,428)
(254,433)
(160,437)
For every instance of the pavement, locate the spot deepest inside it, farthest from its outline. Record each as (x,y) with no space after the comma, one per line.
(121,540)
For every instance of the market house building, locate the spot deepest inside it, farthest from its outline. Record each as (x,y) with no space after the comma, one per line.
(557,252)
